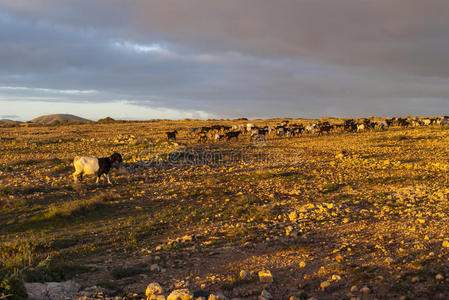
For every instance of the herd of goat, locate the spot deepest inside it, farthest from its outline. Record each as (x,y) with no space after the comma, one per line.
(101,166)
(286,128)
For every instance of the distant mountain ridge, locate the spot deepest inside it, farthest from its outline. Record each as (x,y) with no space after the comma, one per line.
(58,117)
(8,121)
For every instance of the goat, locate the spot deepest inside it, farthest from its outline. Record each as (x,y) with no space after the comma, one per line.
(171,135)
(236,127)
(218,137)
(295,130)
(350,125)
(361,127)
(404,122)
(427,122)
(311,128)
(382,125)
(281,130)
(95,166)
(324,127)
(216,127)
(443,121)
(249,126)
(259,134)
(232,134)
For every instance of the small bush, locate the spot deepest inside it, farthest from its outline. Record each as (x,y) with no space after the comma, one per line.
(11,286)
(330,187)
(16,254)
(14,257)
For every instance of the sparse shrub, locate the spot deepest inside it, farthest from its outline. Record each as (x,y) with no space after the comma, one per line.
(17,254)
(75,207)
(11,285)
(330,187)
(14,257)
(401,138)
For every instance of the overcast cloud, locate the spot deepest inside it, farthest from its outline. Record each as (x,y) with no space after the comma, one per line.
(224,59)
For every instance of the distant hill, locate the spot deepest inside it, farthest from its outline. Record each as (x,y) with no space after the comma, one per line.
(58,117)
(8,121)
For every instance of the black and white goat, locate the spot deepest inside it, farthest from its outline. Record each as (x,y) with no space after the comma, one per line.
(85,165)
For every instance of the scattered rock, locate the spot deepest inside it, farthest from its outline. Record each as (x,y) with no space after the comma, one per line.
(293,216)
(35,290)
(336,277)
(389,260)
(265,276)
(52,290)
(182,294)
(365,290)
(156,297)
(354,289)
(339,258)
(439,277)
(341,154)
(414,279)
(187,238)
(218,296)
(265,295)
(155,268)
(154,288)
(92,291)
(325,284)
(245,275)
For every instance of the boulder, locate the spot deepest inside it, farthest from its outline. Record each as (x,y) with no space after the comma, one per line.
(181,294)
(52,290)
(154,288)
(265,276)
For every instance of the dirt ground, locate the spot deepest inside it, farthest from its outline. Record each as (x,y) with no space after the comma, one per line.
(331,216)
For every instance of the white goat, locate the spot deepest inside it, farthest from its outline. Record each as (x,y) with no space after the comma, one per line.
(360,127)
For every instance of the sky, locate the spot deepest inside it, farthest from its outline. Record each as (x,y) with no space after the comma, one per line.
(176,59)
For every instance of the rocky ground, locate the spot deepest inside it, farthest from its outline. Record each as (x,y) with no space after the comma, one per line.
(339,216)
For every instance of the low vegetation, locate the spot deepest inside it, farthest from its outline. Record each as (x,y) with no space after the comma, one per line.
(189,213)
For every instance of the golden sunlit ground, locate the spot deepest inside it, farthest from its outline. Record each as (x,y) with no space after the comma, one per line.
(372,223)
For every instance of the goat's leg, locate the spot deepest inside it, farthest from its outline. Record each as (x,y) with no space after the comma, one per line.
(109,180)
(98,179)
(75,176)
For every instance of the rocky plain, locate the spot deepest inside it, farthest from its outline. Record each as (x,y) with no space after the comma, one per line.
(343,215)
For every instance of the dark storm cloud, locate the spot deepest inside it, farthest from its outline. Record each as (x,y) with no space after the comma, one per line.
(252,57)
